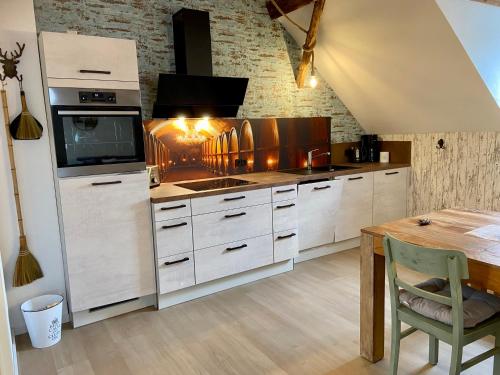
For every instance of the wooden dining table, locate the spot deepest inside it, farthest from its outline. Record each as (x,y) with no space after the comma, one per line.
(448,230)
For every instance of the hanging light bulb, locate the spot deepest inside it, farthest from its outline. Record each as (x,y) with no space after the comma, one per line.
(313,81)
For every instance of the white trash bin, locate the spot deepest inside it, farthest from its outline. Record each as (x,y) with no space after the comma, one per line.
(43,317)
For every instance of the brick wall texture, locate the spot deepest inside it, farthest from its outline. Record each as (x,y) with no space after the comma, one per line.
(245,43)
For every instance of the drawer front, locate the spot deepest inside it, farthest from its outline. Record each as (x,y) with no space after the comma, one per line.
(174,236)
(172,210)
(284,193)
(286,245)
(389,195)
(284,215)
(355,211)
(220,261)
(233,225)
(230,201)
(176,272)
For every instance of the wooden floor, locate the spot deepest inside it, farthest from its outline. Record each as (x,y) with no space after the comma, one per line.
(302,322)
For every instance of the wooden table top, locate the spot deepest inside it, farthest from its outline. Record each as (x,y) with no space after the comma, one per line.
(447,231)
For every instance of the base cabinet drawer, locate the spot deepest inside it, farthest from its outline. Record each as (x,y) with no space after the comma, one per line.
(230,201)
(286,245)
(172,210)
(220,261)
(176,272)
(284,193)
(228,226)
(174,236)
(284,215)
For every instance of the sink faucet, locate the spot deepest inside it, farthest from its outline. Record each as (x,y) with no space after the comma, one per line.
(310,157)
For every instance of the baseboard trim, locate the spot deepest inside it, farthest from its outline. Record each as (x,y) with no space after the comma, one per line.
(81,318)
(205,289)
(333,248)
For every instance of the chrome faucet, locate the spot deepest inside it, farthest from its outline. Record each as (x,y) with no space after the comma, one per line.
(310,157)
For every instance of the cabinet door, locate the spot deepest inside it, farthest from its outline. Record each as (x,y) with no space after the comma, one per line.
(174,236)
(389,195)
(108,238)
(284,215)
(73,56)
(356,206)
(318,204)
(286,245)
(176,272)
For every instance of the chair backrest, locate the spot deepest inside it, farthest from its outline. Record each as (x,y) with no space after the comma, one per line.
(451,264)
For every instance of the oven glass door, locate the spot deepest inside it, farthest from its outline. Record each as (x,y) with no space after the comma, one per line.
(97,136)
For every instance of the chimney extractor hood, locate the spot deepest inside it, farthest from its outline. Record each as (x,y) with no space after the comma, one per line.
(193,92)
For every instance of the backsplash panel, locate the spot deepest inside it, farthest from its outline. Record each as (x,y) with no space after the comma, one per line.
(245,43)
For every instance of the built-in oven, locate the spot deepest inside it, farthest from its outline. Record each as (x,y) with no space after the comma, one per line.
(96,131)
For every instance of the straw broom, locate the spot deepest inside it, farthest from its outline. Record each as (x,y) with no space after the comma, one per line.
(27,268)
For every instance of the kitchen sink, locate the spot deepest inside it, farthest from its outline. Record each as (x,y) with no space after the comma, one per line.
(321,169)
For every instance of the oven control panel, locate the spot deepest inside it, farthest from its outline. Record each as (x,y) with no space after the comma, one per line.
(97,97)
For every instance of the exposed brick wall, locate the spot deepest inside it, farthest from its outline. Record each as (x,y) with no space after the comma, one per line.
(245,43)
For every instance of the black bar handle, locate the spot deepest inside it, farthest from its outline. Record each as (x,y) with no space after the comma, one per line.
(287,236)
(234,199)
(355,178)
(235,215)
(94,71)
(173,207)
(285,206)
(236,247)
(174,225)
(389,173)
(176,261)
(285,191)
(106,183)
(322,187)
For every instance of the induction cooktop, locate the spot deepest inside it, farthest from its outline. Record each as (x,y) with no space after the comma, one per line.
(214,184)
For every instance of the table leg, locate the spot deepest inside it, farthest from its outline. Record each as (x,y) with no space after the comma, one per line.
(371,301)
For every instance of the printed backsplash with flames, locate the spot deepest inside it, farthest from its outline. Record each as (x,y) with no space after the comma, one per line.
(188,149)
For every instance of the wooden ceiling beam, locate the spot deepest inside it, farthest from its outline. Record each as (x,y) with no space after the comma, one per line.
(286,5)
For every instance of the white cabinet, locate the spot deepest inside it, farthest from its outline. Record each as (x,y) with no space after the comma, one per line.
(172,210)
(230,201)
(285,215)
(318,204)
(174,236)
(176,272)
(108,241)
(286,245)
(80,57)
(389,195)
(356,206)
(284,193)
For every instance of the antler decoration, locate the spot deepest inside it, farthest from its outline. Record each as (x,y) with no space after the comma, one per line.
(9,65)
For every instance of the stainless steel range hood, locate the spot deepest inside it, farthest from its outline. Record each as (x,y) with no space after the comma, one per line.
(194,92)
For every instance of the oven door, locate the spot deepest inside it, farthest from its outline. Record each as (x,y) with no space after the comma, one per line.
(97,140)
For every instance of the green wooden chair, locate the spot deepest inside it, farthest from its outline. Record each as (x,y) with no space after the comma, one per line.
(443,264)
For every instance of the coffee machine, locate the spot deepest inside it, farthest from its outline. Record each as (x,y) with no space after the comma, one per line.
(370,148)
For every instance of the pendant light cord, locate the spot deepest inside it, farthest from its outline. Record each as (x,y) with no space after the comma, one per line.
(288,18)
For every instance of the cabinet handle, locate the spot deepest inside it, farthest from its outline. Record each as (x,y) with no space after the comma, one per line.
(322,187)
(235,215)
(285,206)
(355,178)
(174,225)
(285,191)
(287,236)
(106,183)
(236,247)
(173,207)
(176,261)
(389,173)
(234,199)
(94,71)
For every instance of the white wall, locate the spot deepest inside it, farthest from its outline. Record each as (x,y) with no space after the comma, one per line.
(399,67)
(17,23)
(477,26)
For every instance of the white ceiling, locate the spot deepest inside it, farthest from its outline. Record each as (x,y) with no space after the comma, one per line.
(399,67)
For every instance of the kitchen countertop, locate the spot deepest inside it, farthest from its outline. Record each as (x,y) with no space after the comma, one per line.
(167,192)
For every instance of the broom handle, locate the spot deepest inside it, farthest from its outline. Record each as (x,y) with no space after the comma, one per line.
(10,146)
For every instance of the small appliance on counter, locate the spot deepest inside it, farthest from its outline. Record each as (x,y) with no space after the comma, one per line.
(353,154)
(153,176)
(370,148)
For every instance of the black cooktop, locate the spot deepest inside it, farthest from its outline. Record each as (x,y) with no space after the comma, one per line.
(214,184)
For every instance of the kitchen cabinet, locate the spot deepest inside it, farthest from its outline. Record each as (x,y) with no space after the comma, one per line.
(286,245)
(174,236)
(230,201)
(389,195)
(107,239)
(356,205)
(176,272)
(318,204)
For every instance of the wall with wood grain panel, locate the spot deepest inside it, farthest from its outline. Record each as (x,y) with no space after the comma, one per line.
(465,174)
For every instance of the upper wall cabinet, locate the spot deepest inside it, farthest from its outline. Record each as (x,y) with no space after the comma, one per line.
(389,195)
(80,57)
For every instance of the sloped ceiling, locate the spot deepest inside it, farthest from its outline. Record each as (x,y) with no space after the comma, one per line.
(399,67)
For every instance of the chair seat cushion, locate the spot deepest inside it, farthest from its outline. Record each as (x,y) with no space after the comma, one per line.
(478,306)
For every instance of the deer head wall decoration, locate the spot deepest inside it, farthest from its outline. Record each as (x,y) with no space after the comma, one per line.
(9,65)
